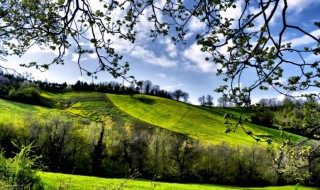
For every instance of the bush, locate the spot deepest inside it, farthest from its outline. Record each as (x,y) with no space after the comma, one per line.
(18,172)
(27,94)
(262,116)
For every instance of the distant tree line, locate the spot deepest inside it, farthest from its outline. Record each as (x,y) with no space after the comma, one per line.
(225,102)
(104,148)
(297,116)
(19,88)
(206,100)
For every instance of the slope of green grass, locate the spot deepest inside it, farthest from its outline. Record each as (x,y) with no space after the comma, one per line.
(75,106)
(52,181)
(196,122)
(89,105)
(203,123)
(14,112)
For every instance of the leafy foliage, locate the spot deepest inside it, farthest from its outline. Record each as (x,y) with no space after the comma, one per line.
(28,94)
(19,172)
(58,25)
(262,116)
(250,44)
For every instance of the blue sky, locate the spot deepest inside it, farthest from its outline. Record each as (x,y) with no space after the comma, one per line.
(172,67)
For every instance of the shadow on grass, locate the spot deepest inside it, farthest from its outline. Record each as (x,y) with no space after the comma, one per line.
(145,100)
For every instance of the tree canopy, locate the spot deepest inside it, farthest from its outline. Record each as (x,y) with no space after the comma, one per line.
(238,44)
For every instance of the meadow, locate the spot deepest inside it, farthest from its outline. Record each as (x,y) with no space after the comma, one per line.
(206,124)
(53,181)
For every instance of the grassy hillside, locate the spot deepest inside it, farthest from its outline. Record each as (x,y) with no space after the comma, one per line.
(53,181)
(75,105)
(15,112)
(202,123)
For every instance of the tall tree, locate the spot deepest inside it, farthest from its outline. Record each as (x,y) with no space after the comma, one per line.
(147,87)
(202,100)
(222,101)
(185,96)
(155,90)
(177,94)
(209,99)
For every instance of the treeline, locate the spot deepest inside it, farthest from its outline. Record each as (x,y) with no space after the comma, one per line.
(18,88)
(296,116)
(110,150)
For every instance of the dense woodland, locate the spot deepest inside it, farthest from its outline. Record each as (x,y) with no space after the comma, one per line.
(108,150)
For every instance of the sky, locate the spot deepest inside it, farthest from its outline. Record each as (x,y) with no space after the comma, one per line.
(171,66)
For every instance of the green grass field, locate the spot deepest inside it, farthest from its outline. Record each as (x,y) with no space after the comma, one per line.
(14,112)
(75,105)
(54,181)
(202,123)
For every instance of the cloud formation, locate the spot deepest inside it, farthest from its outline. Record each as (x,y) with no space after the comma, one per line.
(196,60)
(149,57)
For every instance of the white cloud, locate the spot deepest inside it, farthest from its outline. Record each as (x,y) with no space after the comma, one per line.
(121,45)
(149,57)
(161,75)
(195,25)
(172,87)
(304,40)
(188,35)
(171,47)
(297,6)
(75,57)
(196,56)
(173,54)
(233,13)
(93,56)
(189,66)
(144,25)
(312,58)
(35,49)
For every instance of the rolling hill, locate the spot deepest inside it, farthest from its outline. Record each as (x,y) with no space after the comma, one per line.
(197,122)
(206,124)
